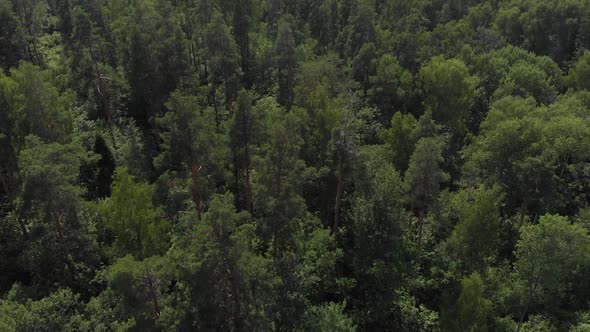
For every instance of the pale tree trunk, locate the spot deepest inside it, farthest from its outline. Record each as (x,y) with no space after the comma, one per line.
(278,193)
(153,292)
(532,287)
(248,187)
(338,202)
(420,230)
(195,170)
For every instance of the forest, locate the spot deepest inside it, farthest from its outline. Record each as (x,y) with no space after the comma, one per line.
(295,165)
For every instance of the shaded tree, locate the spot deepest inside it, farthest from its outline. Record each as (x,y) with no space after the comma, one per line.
(546,255)
(391,87)
(423,179)
(193,145)
(448,91)
(286,64)
(222,63)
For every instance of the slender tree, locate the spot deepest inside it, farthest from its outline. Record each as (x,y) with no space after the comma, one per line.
(286,64)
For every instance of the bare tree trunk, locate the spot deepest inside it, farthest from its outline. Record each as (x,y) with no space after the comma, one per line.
(151,283)
(420,229)
(236,299)
(105,105)
(61,238)
(522,213)
(228,96)
(195,170)
(33,42)
(275,222)
(532,287)
(248,188)
(338,202)
(139,243)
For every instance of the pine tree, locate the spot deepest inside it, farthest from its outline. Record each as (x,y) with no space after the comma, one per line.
(223,62)
(286,64)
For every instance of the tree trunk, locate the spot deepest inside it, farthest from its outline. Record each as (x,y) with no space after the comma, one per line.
(275,222)
(61,239)
(33,42)
(228,96)
(532,288)
(195,170)
(248,188)
(420,228)
(103,99)
(139,243)
(153,293)
(338,202)
(522,213)
(236,299)
(248,185)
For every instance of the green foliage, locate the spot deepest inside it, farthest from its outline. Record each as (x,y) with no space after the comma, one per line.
(193,146)
(222,59)
(542,140)
(527,80)
(363,64)
(189,134)
(473,309)
(307,272)
(476,236)
(58,247)
(330,317)
(97,175)
(318,80)
(448,91)
(141,287)
(424,175)
(229,284)
(35,105)
(361,28)
(379,251)
(56,312)
(286,63)
(276,186)
(128,145)
(415,317)
(538,324)
(401,139)
(582,324)
(579,73)
(244,133)
(391,86)
(131,216)
(557,20)
(547,250)
(548,256)
(317,165)
(12,43)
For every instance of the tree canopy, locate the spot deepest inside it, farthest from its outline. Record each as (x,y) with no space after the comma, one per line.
(309,165)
